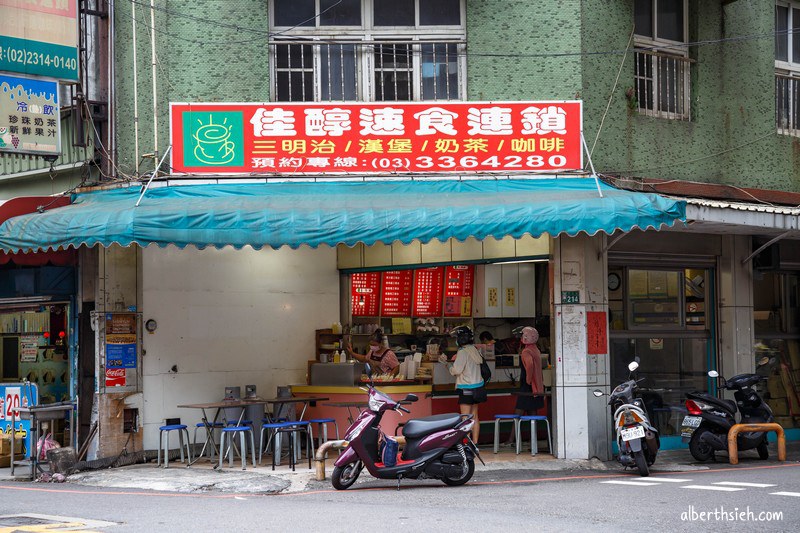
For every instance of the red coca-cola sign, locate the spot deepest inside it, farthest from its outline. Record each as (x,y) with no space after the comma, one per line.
(115,377)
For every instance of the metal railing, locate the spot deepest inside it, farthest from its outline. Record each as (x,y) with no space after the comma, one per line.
(662,83)
(787,109)
(359,70)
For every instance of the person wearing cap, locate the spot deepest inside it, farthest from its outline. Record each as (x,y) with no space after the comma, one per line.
(531,383)
(379,356)
(467,371)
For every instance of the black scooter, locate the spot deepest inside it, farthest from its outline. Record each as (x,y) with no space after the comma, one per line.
(706,426)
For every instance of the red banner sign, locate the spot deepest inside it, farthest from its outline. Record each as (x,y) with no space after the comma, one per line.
(596,333)
(396,137)
(396,297)
(458,290)
(428,291)
(364,293)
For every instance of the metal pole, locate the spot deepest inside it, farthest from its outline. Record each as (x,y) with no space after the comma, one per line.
(155,93)
(591,165)
(135,94)
(153,175)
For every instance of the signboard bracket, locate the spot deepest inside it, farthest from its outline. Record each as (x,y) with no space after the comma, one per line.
(153,175)
(591,165)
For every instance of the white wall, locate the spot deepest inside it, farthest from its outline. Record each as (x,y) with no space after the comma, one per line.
(229,318)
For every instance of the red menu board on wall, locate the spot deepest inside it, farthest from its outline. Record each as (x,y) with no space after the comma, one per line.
(428,291)
(396,294)
(364,293)
(458,283)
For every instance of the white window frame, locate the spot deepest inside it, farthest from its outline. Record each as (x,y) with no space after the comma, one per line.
(665,47)
(790,71)
(362,37)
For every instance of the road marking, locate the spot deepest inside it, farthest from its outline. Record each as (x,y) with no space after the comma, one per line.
(33,522)
(795,494)
(742,484)
(708,487)
(634,483)
(670,480)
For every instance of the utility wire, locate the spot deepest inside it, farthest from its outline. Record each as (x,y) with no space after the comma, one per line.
(613,90)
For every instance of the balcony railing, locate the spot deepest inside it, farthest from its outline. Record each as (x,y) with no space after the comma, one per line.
(787,106)
(662,84)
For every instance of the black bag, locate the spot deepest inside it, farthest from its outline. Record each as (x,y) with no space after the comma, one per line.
(486,372)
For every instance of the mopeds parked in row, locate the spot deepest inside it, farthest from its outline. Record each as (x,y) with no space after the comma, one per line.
(637,439)
(706,426)
(438,446)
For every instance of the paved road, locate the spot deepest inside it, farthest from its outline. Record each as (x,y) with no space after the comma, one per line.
(496,501)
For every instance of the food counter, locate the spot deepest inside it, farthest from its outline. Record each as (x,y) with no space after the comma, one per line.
(436,398)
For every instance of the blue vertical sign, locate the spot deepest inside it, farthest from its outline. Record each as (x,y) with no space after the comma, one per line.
(17,395)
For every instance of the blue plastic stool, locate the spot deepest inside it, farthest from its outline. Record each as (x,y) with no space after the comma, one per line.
(291,429)
(534,444)
(323,425)
(231,431)
(164,445)
(497,420)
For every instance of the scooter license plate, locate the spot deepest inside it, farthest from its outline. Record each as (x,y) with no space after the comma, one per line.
(636,432)
(689,424)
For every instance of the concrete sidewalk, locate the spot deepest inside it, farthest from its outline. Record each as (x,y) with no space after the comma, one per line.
(201,478)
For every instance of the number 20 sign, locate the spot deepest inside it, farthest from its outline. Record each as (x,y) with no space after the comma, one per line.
(11,399)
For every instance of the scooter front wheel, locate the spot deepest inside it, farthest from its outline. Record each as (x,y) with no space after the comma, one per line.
(463,478)
(343,477)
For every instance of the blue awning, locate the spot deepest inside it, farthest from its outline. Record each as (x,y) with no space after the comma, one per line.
(334,212)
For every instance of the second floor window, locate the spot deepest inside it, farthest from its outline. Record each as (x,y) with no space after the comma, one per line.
(787,67)
(662,70)
(370,50)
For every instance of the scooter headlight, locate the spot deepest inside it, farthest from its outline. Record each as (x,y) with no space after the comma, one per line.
(375,403)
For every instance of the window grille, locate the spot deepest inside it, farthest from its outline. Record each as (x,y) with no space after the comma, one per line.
(662,84)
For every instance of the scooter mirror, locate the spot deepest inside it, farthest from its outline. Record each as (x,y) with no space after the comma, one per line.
(763,361)
(411,397)
(368,370)
(633,365)
(713,374)
(597,393)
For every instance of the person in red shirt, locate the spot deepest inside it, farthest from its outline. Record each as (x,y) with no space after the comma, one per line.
(531,383)
(379,357)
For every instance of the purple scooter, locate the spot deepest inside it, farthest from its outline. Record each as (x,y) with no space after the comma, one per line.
(437,447)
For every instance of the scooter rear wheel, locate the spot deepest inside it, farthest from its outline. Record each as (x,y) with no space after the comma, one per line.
(700,450)
(343,477)
(455,482)
(641,463)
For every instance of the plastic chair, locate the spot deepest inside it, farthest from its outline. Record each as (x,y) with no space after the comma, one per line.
(502,418)
(534,444)
(164,444)
(231,431)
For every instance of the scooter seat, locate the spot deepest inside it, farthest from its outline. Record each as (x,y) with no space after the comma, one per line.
(419,427)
